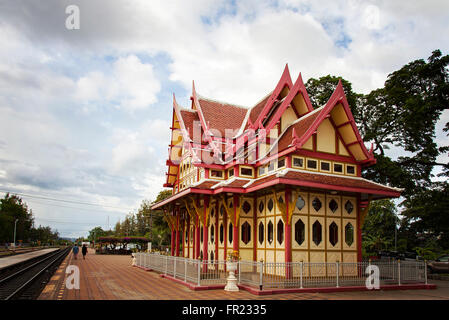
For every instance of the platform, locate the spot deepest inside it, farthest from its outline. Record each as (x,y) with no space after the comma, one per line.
(111,277)
(9,261)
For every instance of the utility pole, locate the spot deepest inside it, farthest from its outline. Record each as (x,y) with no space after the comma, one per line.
(15,227)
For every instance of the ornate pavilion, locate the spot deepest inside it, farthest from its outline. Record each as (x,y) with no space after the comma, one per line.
(277,182)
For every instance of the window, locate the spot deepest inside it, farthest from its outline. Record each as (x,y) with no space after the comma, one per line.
(349,207)
(300,203)
(261,171)
(201,235)
(201,255)
(350,169)
(231,172)
(212,213)
(333,233)
(281,163)
(261,206)
(280,233)
(216,174)
(316,233)
(246,232)
(325,166)
(270,205)
(312,164)
(349,234)
(186,238)
(244,171)
(230,229)
(338,168)
(212,233)
(261,232)
(298,162)
(191,235)
(222,209)
(316,204)
(221,233)
(271,166)
(246,207)
(270,232)
(299,232)
(212,255)
(333,205)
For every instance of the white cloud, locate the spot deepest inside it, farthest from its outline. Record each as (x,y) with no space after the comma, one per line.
(131,85)
(235,51)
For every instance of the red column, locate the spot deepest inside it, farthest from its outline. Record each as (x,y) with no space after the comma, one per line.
(225,236)
(177,235)
(235,231)
(188,237)
(217,236)
(197,244)
(205,233)
(172,247)
(288,234)
(359,232)
(193,235)
(255,228)
(183,239)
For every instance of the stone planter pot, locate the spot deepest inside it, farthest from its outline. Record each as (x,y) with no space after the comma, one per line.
(231,281)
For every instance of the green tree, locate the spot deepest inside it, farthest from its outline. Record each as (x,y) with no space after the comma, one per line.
(378,231)
(403,114)
(95,233)
(12,208)
(427,217)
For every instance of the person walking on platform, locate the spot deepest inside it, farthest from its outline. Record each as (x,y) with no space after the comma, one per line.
(84,251)
(75,250)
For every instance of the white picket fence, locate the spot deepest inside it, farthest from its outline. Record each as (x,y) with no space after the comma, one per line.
(285,275)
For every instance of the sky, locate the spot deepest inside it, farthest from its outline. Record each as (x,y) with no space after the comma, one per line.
(85,113)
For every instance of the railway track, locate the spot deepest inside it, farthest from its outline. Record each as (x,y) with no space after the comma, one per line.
(26,281)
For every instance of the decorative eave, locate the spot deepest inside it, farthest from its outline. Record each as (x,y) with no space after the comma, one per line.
(293,177)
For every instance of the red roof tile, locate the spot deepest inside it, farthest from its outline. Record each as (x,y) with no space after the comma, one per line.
(189,118)
(222,116)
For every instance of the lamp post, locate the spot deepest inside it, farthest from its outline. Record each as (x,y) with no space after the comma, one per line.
(15,228)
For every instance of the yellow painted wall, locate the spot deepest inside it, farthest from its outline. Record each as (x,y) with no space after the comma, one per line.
(287,118)
(338,114)
(347,133)
(342,149)
(326,137)
(356,150)
(308,145)
(300,104)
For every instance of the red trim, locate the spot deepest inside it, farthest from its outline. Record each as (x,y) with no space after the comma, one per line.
(235,231)
(298,290)
(217,236)
(278,181)
(298,88)
(359,232)
(325,156)
(172,247)
(343,124)
(177,234)
(335,289)
(285,81)
(288,235)
(255,228)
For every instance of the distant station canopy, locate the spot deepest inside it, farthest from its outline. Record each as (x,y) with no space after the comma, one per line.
(278,182)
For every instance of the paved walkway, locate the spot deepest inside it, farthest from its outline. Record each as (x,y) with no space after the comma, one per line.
(11,260)
(111,277)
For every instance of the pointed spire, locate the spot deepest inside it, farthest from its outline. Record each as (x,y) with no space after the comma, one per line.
(286,71)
